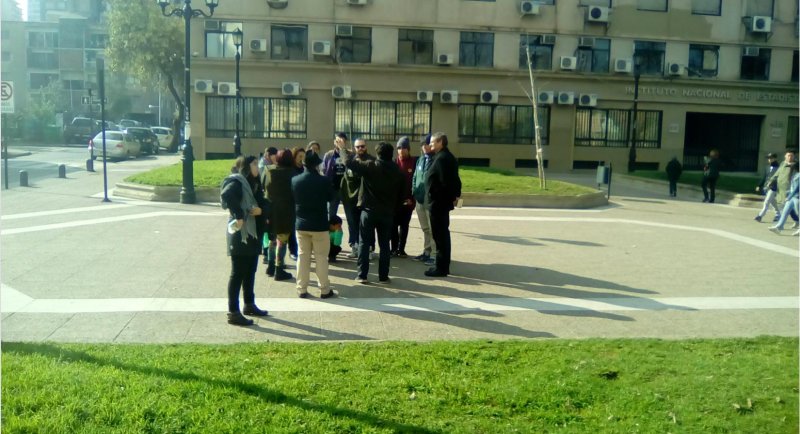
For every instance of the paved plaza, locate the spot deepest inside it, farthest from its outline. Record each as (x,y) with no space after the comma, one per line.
(75,269)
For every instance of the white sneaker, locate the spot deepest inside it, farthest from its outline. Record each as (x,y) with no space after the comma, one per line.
(352,255)
(796,233)
(775,229)
(796,225)
(373,256)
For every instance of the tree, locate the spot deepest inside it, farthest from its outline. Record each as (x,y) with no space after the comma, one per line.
(147,45)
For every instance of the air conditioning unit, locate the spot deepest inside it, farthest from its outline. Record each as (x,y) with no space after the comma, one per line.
(444,59)
(597,14)
(548,40)
(674,69)
(623,65)
(585,41)
(277,4)
(342,92)
(546,97)
(204,86)
(290,88)
(211,24)
(751,51)
(760,24)
(226,88)
(356,2)
(587,99)
(424,95)
(490,96)
(344,30)
(258,45)
(568,63)
(448,97)
(321,48)
(529,7)
(566,98)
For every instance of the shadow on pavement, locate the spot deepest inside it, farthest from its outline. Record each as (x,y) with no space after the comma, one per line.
(319,333)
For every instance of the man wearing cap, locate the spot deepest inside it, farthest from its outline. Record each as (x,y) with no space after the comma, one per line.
(769,188)
(402,215)
(311,193)
(442,191)
(418,189)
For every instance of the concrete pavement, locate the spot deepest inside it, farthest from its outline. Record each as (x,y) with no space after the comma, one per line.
(77,270)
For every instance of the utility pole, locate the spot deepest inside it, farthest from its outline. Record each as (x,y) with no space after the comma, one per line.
(537,135)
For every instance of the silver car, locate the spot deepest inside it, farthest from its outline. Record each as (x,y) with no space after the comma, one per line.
(119,146)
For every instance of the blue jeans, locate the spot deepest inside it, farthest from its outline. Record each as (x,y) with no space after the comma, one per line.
(370,223)
(790,207)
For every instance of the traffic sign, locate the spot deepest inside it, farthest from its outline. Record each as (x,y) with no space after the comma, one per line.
(86,101)
(7,97)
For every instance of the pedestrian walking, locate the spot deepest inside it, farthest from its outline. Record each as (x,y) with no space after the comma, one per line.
(442,191)
(402,217)
(242,196)
(791,203)
(418,188)
(783,178)
(710,176)
(769,188)
(674,170)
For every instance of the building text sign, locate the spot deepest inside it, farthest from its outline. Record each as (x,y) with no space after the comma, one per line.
(700,93)
(7,97)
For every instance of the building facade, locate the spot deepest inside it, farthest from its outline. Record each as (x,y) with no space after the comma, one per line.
(712,74)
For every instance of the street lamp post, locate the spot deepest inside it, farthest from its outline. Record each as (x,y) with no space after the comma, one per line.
(637,73)
(237,141)
(187,13)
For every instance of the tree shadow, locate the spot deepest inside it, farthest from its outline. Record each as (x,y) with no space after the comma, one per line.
(266,395)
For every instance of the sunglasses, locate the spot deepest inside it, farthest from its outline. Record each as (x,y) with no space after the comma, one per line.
(360,147)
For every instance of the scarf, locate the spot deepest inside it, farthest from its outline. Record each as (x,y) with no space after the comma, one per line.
(248,203)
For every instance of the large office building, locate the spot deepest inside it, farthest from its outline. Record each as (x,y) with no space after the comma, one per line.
(712,74)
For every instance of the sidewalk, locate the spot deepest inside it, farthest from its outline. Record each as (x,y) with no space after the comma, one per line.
(645,266)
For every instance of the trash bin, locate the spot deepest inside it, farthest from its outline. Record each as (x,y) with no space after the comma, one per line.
(602,175)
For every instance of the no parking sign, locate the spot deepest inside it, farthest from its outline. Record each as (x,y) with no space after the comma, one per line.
(7,97)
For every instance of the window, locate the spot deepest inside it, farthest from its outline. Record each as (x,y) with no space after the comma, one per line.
(97,41)
(356,48)
(415,47)
(476,49)
(703,60)
(594,58)
(649,57)
(289,42)
(219,43)
(792,138)
(40,80)
(276,118)
(73,84)
(652,5)
(382,120)
(43,40)
(43,60)
(481,123)
(541,54)
(794,66)
(707,7)
(604,3)
(611,128)
(755,63)
(759,7)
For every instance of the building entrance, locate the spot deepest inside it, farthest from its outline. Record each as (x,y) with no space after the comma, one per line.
(736,137)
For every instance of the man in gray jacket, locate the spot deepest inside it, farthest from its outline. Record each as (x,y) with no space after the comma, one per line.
(418,190)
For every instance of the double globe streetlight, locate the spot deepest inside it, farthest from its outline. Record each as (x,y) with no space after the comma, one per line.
(187,13)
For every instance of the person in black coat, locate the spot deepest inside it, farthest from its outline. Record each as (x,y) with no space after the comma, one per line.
(442,191)
(674,170)
(279,193)
(241,193)
(710,176)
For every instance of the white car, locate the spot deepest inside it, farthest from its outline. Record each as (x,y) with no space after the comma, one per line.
(119,146)
(164,135)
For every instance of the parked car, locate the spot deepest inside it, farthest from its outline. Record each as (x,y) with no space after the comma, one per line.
(146,137)
(164,135)
(80,130)
(125,123)
(119,146)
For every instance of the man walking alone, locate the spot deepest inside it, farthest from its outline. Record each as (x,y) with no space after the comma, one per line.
(442,191)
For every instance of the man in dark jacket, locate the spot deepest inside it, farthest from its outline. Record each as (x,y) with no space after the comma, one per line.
(442,191)
(710,176)
(769,188)
(378,199)
(311,193)
(674,170)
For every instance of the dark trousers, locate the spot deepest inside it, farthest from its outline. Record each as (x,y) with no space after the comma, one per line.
(709,184)
(440,231)
(243,276)
(372,222)
(400,228)
(334,251)
(353,216)
(673,188)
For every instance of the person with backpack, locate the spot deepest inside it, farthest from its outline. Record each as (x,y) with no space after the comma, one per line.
(242,196)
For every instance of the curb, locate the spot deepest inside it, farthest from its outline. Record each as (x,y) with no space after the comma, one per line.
(211,194)
(741,200)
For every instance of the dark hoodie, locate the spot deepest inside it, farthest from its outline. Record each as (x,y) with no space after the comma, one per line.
(383,183)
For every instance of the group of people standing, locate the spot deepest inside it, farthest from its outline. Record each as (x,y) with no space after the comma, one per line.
(294,195)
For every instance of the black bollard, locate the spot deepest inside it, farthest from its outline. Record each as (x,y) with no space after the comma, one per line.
(23,178)
(62,171)
(89,165)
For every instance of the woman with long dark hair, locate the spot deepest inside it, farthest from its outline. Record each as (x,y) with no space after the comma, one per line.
(279,193)
(243,197)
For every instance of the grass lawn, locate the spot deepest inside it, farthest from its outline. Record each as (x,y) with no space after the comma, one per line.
(209,173)
(732,183)
(586,386)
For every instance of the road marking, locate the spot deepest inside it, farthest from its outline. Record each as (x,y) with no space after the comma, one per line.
(12,300)
(398,304)
(62,211)
(103,220)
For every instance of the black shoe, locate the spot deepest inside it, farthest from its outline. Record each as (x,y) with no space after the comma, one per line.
(402,254)
(271,269)
(264,260)
(758,218)
(332,260)
(705,200)
(238,319)
(422,258)
(329,294)
(280,274)
(302,295)
(253,310)
(433,272)
(385,281)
